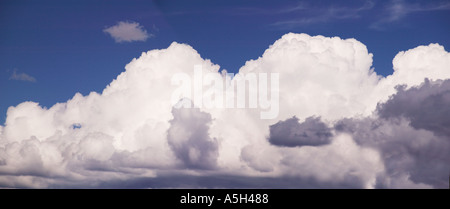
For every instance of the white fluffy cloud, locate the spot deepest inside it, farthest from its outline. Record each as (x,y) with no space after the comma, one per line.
(130,132)
(127,32)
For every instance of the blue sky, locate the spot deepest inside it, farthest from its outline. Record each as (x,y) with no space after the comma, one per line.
(62,47)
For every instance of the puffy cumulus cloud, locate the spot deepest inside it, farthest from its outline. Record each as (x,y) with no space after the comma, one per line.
(411,67)
(122,130)
(291,133)
(338,70)
(129,135)
(127,32)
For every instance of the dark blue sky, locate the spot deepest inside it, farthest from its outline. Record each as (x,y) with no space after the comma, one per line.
(62,44)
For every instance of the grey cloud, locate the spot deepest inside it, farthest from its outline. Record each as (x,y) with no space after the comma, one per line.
(291,133)
(419,155)
(217,181)
(411,134)
(426,107)
(189,139)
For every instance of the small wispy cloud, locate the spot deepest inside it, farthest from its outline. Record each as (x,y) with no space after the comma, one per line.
(314,15)
(396,10)
(127,32)
(264,11)
(21,77)
(242,10)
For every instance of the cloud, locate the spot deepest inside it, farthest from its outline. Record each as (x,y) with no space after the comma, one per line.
(21,77)
(300,6)
(291,133)
(396,10)
(129,135)
(425,106)
(189,139)
(411,134)
(314,14)
(304,14)
(412,158)
(127,32)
